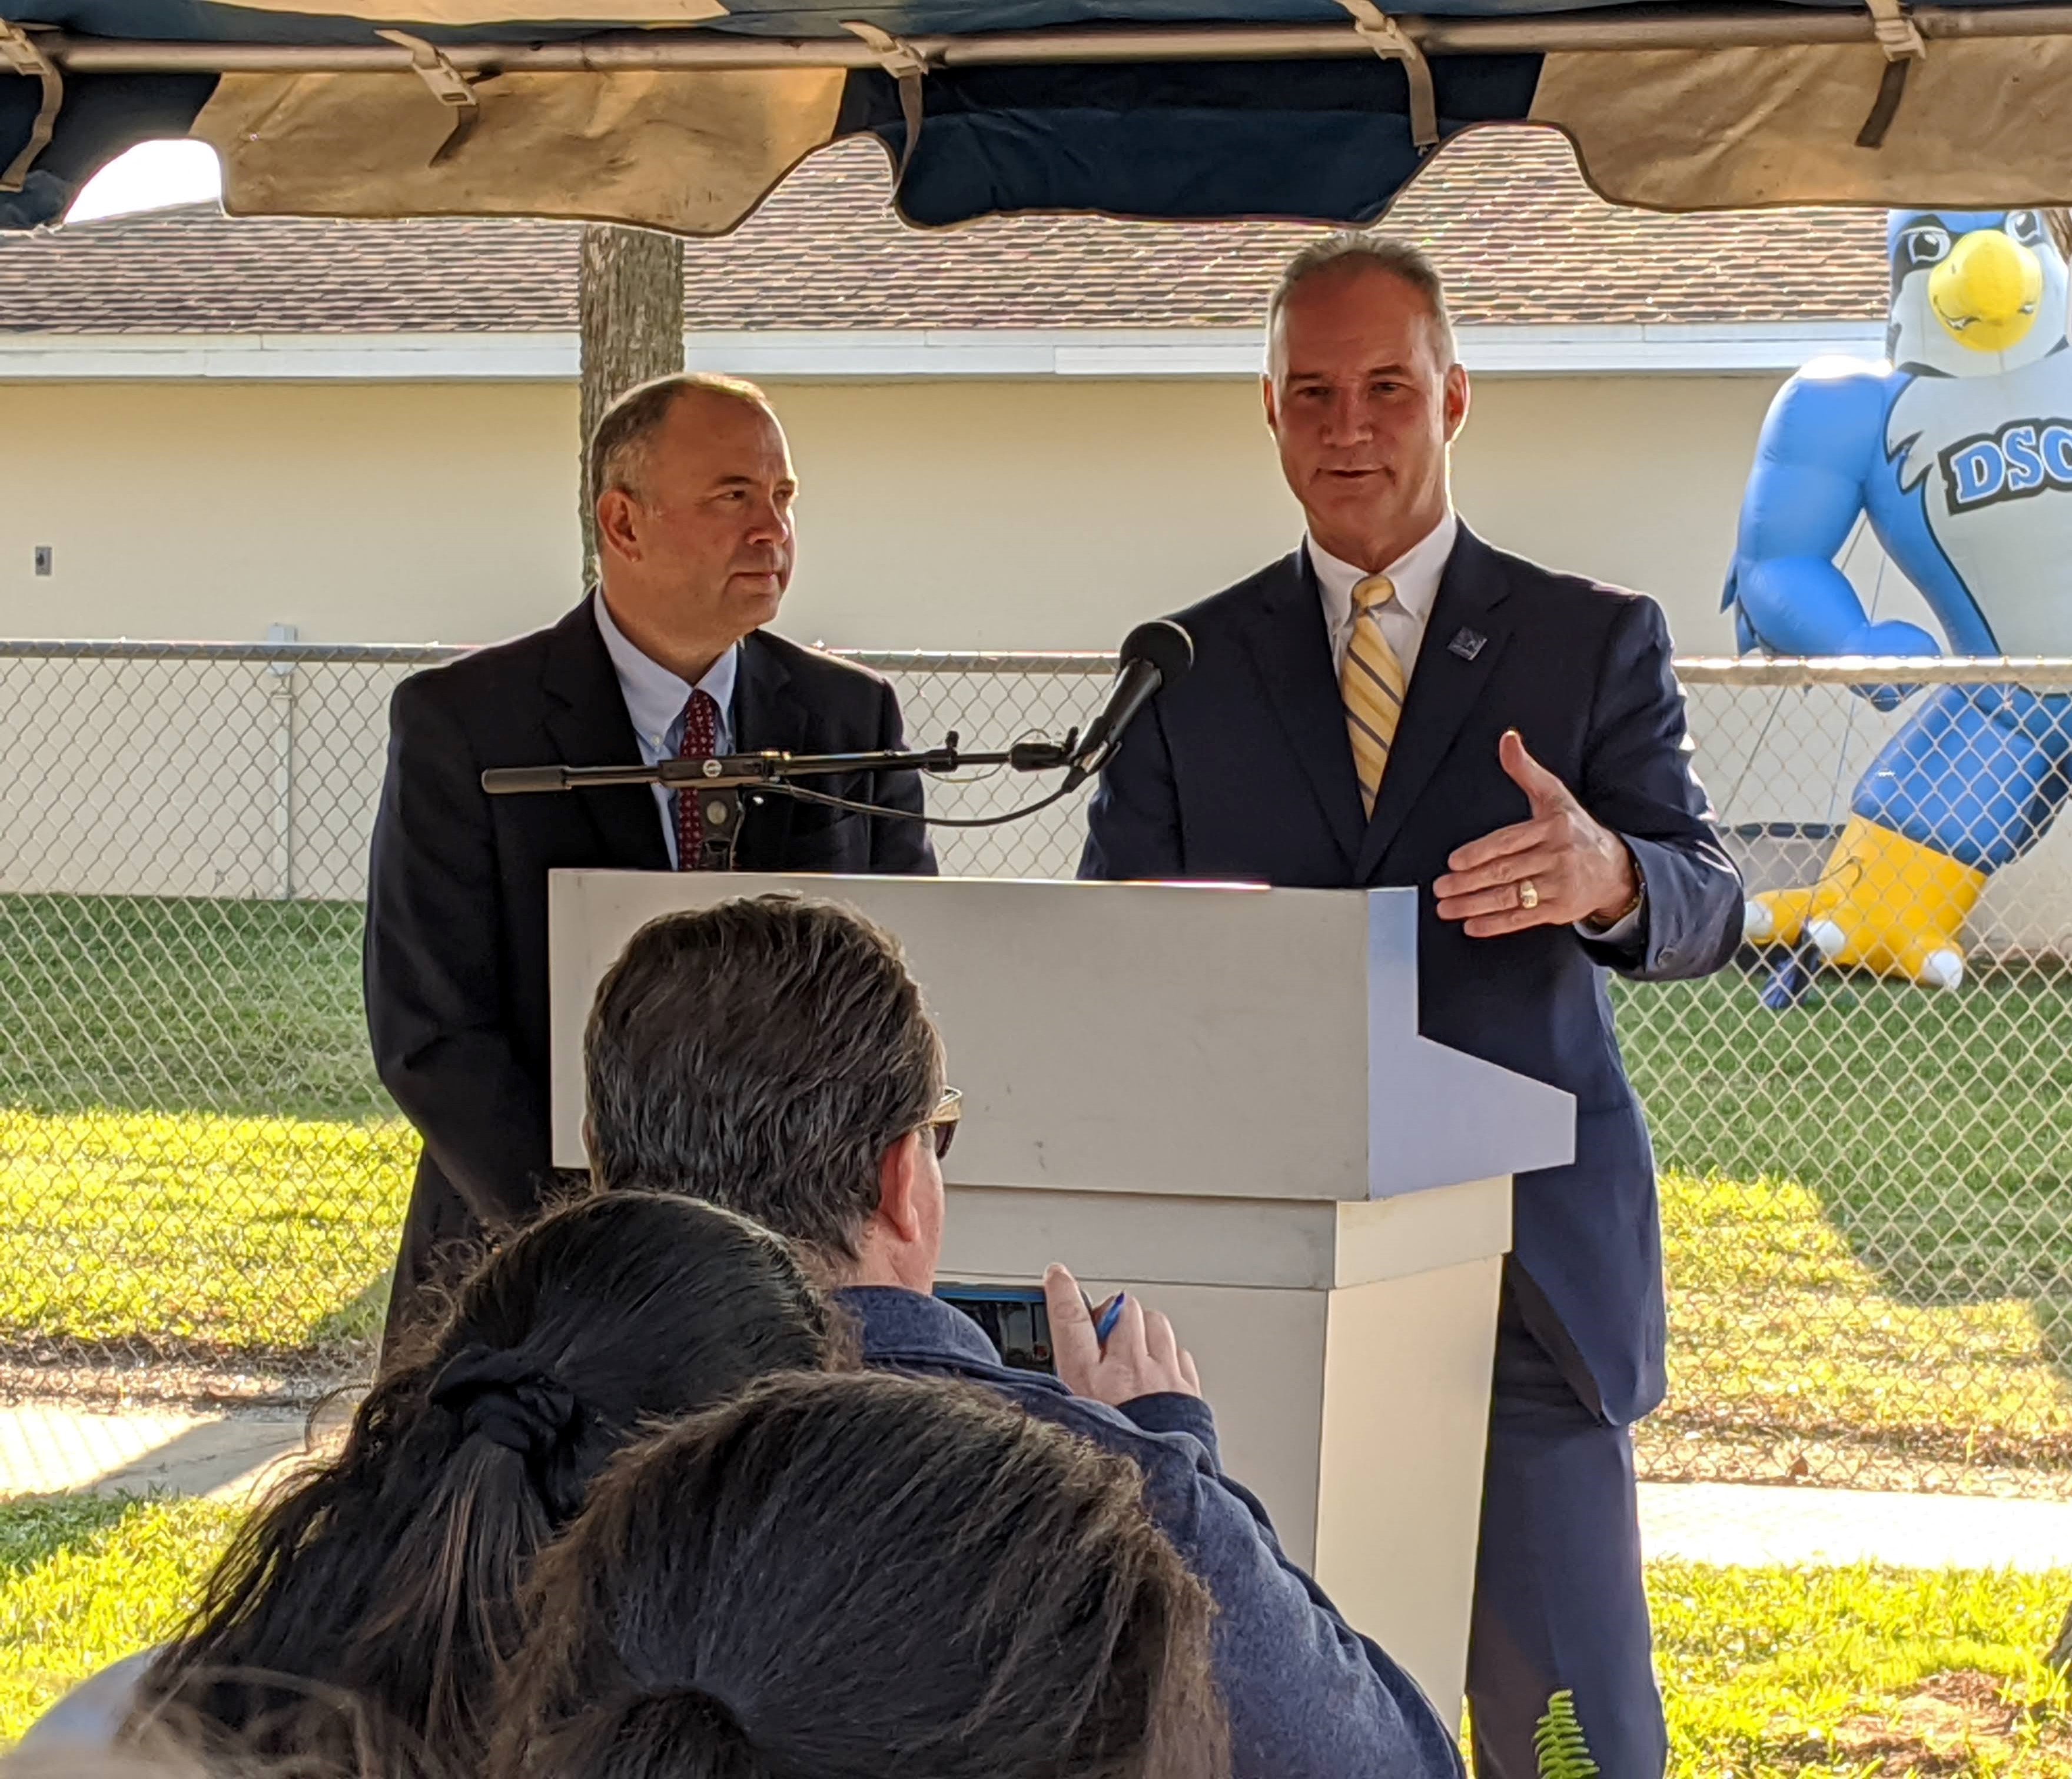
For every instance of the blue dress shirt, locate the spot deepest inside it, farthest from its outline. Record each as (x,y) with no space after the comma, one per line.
(655,699)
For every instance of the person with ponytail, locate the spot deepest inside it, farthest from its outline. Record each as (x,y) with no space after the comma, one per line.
(854,1575)
(390,1574)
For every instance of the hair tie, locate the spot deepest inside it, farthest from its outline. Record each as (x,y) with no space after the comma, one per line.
(507,1399)
(714,1714)
(668,1714)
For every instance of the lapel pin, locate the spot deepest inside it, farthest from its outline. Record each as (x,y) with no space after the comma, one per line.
(1466,644)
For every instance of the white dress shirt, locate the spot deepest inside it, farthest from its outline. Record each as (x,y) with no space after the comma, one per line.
(655,699)
(1416,575)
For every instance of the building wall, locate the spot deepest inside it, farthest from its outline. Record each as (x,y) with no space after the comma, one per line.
(1030,516)
(941,515)
(379,512)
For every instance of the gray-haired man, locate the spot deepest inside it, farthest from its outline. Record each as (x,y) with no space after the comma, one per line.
(773,1055)
(1396,703)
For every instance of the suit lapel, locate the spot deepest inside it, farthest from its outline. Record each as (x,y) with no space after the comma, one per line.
(1291,652)
(768,712)
(1443,690)
(587,721)
(768,716)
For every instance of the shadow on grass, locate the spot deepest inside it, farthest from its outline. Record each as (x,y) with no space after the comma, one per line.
(361,1320)
(1934,1128)
(173,1004)
(35,1528)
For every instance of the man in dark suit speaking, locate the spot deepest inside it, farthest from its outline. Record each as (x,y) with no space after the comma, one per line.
(1397,703)
(693,486)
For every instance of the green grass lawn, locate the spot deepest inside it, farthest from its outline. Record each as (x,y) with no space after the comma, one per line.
(179,1004)
(198,1232)
(85,1581)
(1934,1130)
(1842,1674)
(1786,1348)
(1860,1673)
(1867,1231)
(195,1157)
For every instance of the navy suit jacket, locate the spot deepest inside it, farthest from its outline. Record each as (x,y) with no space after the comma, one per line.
(1242,772)
(456,949)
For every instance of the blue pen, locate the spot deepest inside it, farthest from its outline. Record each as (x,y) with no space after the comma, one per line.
(1109,1317)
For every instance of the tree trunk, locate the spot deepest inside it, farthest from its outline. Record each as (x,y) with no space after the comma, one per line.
(630,306)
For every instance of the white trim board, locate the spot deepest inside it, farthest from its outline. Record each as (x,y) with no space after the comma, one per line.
(896,354)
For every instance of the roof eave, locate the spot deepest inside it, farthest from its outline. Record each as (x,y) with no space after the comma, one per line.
(897,355)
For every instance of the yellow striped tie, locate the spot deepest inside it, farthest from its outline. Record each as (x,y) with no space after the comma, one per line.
(1372,684)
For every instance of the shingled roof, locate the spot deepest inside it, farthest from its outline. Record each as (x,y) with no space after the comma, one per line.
(1520,238)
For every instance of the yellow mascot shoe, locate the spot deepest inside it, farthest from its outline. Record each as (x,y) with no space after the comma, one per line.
(1885,903)
(1777,917)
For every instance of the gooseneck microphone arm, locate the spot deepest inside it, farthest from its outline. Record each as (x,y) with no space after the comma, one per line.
(770,770)
(1154,656)
(719,781)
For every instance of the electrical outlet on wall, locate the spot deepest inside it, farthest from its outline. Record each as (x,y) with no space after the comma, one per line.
(45,555)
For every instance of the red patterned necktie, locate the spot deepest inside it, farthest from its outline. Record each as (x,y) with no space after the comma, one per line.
(700,740)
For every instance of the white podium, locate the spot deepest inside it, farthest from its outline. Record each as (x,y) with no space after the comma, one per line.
(1217,1097)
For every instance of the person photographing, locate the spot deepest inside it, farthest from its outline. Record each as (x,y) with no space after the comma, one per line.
(772,1055)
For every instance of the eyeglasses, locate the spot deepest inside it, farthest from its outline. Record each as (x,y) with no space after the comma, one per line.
(942,1127)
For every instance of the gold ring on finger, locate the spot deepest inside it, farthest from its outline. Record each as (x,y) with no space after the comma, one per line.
(1528,892)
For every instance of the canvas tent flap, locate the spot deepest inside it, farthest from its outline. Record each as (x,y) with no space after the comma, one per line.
(635,110)
(1729,129)
(101,116)
(1326,142)
(692,153)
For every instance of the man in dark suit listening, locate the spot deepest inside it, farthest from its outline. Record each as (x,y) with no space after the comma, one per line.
(667,657)
(1397,703)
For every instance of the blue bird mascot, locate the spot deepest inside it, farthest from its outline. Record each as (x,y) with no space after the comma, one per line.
(1959,452)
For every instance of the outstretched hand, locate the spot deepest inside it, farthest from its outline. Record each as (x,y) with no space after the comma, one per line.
(1557,867)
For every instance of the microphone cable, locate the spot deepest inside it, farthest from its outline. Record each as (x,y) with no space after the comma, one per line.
(784,790)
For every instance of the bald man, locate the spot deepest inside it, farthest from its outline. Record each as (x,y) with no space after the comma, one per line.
(667,657)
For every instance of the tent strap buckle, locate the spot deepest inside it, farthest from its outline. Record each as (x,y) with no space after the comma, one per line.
(19,51)
(1897,35)
(447,84)
(1392,43)
(905,65)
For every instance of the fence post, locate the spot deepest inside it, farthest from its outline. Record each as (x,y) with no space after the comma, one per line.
(283,673)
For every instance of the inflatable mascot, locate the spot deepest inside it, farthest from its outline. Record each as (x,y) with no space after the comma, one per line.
(1960,453)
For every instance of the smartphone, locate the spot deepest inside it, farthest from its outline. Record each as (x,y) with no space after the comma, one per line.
(1015,1319)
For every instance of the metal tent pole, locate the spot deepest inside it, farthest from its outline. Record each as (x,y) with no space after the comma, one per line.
(1640,29)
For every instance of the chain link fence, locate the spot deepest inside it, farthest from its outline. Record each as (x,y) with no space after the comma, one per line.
(1865,1128)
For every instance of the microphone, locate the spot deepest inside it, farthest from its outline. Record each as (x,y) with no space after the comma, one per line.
(1154,655)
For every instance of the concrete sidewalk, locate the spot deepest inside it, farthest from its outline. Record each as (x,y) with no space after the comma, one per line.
(54,1447)
(1752,1525)
(48,1448)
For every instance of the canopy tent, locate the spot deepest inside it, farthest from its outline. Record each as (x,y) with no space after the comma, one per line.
(684,114)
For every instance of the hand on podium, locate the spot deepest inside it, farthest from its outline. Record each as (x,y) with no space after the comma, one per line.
(1141,1357)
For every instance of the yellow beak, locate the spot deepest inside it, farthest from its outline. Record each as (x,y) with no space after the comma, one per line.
(1985,293)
